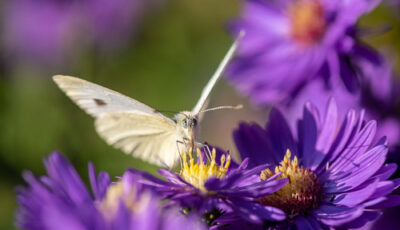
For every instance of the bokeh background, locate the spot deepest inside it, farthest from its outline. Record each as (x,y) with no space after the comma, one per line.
(160,52)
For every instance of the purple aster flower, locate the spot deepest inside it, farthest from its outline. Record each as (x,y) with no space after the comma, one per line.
(379,95)
(210,186)
(337,175)
(52,32)
(289,43)
(62,201)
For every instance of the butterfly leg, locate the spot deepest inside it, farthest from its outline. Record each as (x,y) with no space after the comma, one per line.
(178,143)
(189,144)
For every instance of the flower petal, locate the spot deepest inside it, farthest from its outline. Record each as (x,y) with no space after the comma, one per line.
(359,170)
(64,174)
(252,143)
(359,144)
(308,223)
(386,171)
(385,188)
(307,129)
(256,213)
(332,215)
(329,128)
(362,220)
(99,184)
(355,196)
(389,201)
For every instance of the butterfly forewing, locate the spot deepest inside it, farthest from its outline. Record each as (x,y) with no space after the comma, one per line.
(97,100)
(205,94)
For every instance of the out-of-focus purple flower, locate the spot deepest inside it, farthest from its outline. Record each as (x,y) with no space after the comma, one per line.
(42,30)
(62,201)
(379,95)
(212,184)
(289,43)
(337,176)
(113,22)
(53,32)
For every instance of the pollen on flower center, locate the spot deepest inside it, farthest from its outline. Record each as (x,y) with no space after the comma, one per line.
(198,173)
(300,194)
(307,21)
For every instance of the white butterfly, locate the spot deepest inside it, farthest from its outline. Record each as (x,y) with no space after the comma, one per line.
(134,127)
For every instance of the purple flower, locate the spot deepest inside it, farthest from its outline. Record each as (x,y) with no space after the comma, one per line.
(62,201)
(289,43)
(337,175)
(52,32)
(211,184)
(113,22)
(379,95)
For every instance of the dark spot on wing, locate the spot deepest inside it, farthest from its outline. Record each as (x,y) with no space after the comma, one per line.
(99,102)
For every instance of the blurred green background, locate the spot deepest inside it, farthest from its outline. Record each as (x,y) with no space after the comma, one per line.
(175,50)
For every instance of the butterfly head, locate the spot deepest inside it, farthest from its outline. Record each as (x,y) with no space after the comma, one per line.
(186,123)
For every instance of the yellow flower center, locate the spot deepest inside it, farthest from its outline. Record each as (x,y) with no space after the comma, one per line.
(117,193)
(198,173)
(300,194)
(308,21)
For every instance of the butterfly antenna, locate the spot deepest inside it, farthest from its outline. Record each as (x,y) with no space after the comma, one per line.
(207,89)
(235,107)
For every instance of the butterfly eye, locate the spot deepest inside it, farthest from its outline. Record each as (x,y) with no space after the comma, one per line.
(184,123)
(194,122)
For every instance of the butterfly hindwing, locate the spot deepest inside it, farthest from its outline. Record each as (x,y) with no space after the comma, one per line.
(146,136)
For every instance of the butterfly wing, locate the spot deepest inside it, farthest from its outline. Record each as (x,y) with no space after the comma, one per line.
(202,102)
(142,135)
(123,122)
(97,100)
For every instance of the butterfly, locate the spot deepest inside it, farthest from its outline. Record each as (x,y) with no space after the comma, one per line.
(136,128)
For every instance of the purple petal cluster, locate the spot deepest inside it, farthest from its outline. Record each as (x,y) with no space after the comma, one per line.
(349,164)
(290,43)
(236,191)
(62,201)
